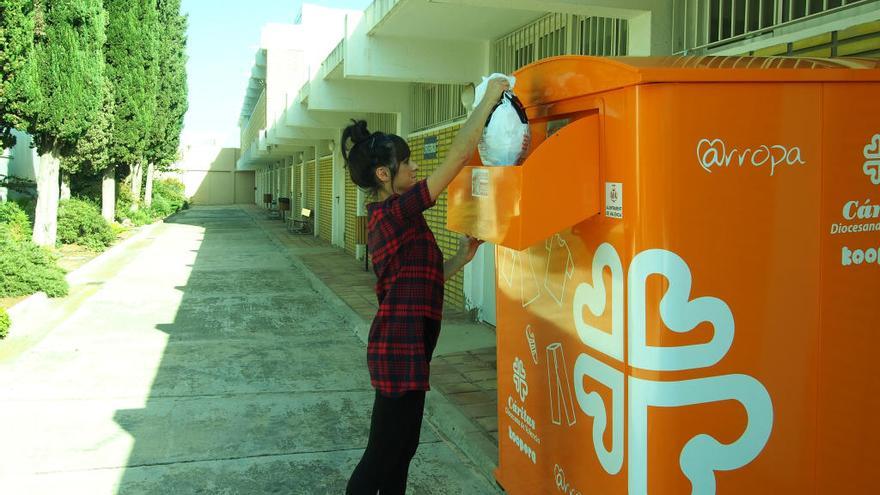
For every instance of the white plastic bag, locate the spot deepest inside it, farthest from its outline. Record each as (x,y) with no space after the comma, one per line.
(505,138)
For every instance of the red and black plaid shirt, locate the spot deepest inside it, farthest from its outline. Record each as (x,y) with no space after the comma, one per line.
(409,267)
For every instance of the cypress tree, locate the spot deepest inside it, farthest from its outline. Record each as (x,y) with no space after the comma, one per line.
(16,43)
(131,53)
(171,98)
(59,92)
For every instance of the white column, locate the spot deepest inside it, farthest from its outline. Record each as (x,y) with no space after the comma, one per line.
(339,178)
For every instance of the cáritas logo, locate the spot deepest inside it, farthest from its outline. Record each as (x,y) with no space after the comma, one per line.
(871,152)
(703,455)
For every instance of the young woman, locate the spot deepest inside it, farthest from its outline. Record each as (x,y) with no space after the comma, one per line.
(411,273)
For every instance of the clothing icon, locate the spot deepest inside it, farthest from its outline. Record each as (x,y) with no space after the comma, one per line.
(560,267)
(560,388)
(533,346)
(516,267)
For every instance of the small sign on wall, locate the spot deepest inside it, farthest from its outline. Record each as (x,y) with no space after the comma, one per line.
(430,147)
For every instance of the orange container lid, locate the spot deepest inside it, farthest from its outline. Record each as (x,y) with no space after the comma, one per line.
(558,78)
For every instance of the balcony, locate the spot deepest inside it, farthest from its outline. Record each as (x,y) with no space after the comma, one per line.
(255,123)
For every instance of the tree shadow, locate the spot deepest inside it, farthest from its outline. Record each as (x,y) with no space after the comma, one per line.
(261,388)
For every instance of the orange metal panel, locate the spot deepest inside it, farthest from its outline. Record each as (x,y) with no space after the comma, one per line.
(849,382)
(518,206)
(558,78)
(711,329)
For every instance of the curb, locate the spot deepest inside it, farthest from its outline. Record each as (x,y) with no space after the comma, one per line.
(35,300)
(43,314)
(463,434)
(75,276)
(445,418)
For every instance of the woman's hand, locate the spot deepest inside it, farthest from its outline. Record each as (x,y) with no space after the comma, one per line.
(494,89)
(468,246)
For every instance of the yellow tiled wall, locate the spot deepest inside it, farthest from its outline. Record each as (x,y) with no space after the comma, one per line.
(310,186)
(862,40)
(325,193)
(436,216)
(295,201)
(857,41)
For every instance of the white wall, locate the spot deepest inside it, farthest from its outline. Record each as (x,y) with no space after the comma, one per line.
(20,161)
(479,284)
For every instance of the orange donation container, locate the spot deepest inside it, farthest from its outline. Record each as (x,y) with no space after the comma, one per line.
(687,276)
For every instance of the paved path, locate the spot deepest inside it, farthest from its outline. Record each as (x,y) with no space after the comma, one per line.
(199,360)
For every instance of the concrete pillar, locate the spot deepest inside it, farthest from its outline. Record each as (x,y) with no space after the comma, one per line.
(339,178)
(650,33)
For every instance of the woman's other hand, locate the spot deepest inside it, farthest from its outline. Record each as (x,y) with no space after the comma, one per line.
(468,246)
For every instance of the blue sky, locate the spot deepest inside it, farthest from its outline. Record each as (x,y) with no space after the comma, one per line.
(222,39)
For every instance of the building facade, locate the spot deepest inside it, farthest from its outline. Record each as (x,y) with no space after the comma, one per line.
(408,67)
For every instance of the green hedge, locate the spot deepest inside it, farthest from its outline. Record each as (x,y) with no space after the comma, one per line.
(4,323)
(80,222)
(26,268)
(169,193)
(123,201)
(168,198)
(17,221)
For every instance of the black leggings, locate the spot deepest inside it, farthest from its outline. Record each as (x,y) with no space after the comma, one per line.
(394,438)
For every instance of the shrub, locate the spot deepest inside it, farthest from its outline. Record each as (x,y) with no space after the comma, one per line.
(141,216)
(123,201)
(168,198)
(17,221)
(4,323)
(29,205)
(80,222)
(170,194)
(26,268)
(161,207)
(118,229)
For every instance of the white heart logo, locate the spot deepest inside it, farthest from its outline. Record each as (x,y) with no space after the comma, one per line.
(679,314)
(594,297)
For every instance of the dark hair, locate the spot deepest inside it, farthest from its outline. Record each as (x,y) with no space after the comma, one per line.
(369,151)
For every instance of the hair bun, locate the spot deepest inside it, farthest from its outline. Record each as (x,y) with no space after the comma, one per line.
(358,131)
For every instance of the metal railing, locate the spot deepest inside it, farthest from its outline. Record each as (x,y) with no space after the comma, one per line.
(560,34)
(701,25)
(432,105)
(385,122)
(256,123)
(377,10)
(333,60)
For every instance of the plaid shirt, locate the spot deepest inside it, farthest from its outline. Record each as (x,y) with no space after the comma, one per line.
(409,268)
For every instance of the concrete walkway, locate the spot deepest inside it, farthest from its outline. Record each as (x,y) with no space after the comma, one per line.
(198,359)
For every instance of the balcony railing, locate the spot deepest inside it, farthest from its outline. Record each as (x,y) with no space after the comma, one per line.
(377,11)
(701,25)
(333,60)
(559,34)
(256,123)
